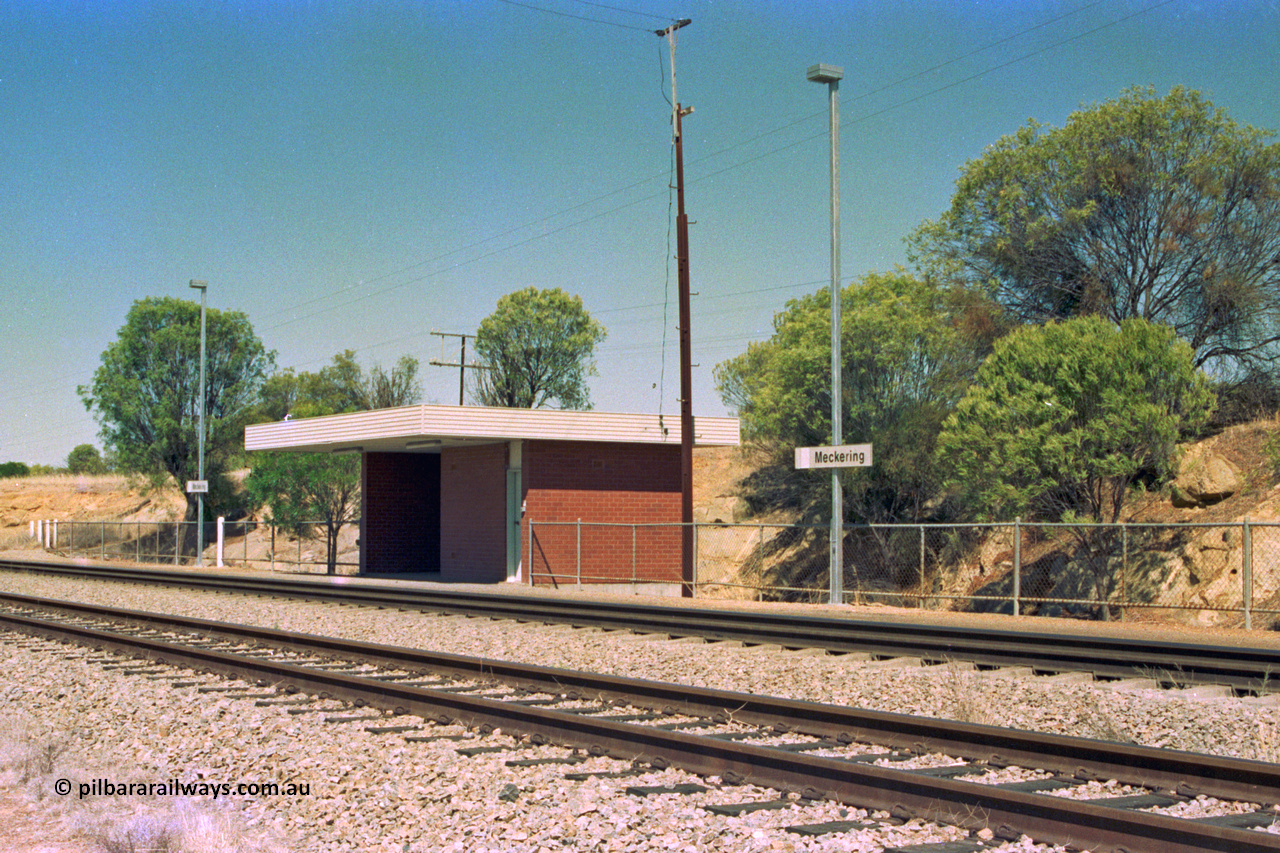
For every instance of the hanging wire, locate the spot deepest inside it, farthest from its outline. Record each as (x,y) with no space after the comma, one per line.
(547,11)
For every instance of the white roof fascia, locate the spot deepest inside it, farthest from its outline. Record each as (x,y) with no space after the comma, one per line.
(392,429)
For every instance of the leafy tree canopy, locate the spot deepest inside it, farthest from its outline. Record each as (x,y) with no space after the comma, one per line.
(145,394)
(14,469)
(908,350)
(342,386)
(85,459)
(538,347)
(1062,417)
(1158,208)
(305,488)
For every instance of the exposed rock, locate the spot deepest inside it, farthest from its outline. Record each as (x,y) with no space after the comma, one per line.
(722,509)
(1205,481)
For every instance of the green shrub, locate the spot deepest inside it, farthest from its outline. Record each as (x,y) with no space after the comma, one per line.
(14,469)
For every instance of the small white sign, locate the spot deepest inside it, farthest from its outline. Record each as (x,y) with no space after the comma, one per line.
(840,456)
(197,486)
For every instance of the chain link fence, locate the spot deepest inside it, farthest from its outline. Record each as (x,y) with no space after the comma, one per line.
(1219,573)
(246,543)
(1213,573)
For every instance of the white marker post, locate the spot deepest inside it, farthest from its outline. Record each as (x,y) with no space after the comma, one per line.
(837,456)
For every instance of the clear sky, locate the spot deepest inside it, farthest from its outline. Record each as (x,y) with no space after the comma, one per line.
(356,174)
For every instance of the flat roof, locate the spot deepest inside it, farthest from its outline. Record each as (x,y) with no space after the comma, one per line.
(427,428)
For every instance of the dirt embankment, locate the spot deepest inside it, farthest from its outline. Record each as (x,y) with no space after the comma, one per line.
(70,497)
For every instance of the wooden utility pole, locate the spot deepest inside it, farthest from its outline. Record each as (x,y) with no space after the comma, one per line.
(686,376)
(686,344)
(461,363)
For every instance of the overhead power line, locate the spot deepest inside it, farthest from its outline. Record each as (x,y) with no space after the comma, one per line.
(703,159)
(559,14)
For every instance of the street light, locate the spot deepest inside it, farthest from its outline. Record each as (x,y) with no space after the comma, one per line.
(203,287)
(831,74)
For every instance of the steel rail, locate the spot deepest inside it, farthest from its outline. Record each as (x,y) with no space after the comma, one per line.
(1190,773)
(1240,667)
(1009,813)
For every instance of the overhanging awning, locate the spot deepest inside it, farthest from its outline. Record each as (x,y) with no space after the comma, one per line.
(427,428)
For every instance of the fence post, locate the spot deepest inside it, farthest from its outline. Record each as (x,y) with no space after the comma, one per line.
(1017,565)
(530,552)
(1246,572)
(222,520)
(137,544)
(760,579)
(694,591)
(177,540)
(273,546)
(1124,567)
(102,541)
(634,575)
(71,537)
(922,556)
(579,553)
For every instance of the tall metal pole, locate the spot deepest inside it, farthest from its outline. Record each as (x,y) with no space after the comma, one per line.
(831,75)
(203,287)
(686,346)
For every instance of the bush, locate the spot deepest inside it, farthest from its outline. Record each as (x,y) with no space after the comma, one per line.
(14,469)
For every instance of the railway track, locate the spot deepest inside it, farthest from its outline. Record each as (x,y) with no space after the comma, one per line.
(907,766)
(1243,669)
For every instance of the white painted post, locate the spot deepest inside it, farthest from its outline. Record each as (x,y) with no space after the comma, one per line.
(222,520)
(55,533)
(579,553)
(31,529)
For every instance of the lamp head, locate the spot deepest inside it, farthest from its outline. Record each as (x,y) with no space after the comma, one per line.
(823,73)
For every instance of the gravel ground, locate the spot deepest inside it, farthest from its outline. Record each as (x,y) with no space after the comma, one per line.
(377,792)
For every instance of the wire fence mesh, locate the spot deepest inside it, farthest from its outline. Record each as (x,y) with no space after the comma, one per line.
(251,544)
(1224,573)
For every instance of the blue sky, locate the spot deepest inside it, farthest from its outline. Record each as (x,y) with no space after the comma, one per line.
(356,175)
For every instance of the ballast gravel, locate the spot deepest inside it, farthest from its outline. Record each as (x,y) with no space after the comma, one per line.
(378,792)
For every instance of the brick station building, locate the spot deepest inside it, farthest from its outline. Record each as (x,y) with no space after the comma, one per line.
(456,489)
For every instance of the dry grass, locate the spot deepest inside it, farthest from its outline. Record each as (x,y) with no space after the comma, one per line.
(33,758)
(29,753)
(963,697)
(184,827)
(83,483)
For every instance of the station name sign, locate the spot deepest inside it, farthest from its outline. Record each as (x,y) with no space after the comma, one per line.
(840,456)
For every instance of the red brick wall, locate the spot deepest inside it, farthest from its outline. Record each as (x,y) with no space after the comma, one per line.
(601,482)
(400,516)
(473,513)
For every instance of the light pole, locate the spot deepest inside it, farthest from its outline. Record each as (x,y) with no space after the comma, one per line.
(831,74)
(203,287)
